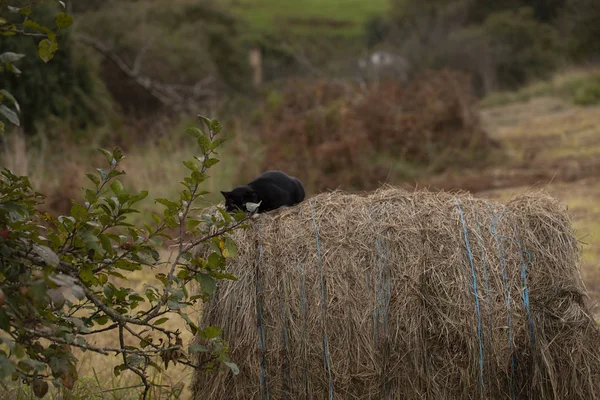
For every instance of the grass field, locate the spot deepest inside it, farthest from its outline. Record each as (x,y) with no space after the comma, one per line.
(558,144)
(343,18)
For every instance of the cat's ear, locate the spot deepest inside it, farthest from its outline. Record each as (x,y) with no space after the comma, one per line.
(225,194)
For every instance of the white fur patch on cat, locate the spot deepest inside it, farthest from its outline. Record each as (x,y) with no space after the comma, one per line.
(252,206)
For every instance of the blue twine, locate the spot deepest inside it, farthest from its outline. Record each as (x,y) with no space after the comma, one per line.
(379,291)
(475,292)
(383,292)
(525,295)
(493,228)
(487,291)
(286,367)
(324,306)
(261,333)
(524,264)
(387,292)
(303,310)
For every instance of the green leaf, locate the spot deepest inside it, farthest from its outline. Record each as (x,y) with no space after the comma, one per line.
(102,278)
(9,30)
(175,305)
(233,367)
(210,162)
(207,282)
(215,126)
(46,49)
(101,320)
(117,154)
(91,240)
(195,132)
(196,348)
(191,165)
(25,11)
(118,369)
(4,321)
(5,93)
(114,173)
(91,196)
(9,114)
(107,154)
(64,20)
(34,25)
(204,144)
(230,248)
(161,321)
(211,332)
(7,368)
(127,265)
(216,143)
(191,223)
(207,121)
(46,254)
(106,244)
(94,179)
(78,211)
(1,127)
(168,203)
(138,197)
(86,274)
(117,187)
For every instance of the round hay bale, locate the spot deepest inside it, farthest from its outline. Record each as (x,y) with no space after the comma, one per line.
(401,295)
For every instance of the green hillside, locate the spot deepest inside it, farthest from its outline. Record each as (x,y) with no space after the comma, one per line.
(344,18)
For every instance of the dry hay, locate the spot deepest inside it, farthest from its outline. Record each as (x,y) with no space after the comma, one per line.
(399,318)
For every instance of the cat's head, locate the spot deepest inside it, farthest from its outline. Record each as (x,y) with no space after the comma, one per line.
(238,197)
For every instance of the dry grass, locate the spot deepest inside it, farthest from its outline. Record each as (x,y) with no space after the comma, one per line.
(58,169)
(390,279)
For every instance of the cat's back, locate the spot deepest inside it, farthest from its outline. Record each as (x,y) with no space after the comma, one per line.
(273,177)
(282,180)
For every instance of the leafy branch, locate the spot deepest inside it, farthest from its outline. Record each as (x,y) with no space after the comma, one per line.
(18,22)
(62,279)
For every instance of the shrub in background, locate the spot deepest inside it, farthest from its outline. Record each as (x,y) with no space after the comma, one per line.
(69,95)
(334,135)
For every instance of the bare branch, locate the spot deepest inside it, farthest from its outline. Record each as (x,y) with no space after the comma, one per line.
(174,96)
(23,33)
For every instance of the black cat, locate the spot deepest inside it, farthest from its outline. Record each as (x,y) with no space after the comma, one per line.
(273,189)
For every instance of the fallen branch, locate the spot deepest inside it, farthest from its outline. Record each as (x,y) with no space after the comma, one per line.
(174,96)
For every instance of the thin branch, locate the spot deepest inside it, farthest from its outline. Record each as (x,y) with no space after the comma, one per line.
(23,33)
(108,328)
(138,372)
(168,95)
(101,350)
(144,82)
(137,63)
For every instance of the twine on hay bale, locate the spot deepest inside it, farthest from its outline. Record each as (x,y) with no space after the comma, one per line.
(398,295)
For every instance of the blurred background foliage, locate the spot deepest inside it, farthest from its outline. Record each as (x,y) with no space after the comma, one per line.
(332,75)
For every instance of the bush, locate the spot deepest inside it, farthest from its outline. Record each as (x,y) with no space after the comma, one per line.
(334,135)
(501,44)
(172,43)
(62,279)
(580,22)
(69,95)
